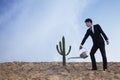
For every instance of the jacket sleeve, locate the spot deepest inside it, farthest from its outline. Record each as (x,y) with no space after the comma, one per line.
(102,32)
(85,37)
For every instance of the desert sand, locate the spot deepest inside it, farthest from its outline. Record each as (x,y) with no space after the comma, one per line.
(55,71)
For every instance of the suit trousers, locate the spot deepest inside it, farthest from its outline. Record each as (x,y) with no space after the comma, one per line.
(103,53)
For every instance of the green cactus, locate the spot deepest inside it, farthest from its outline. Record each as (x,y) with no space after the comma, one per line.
(61,50)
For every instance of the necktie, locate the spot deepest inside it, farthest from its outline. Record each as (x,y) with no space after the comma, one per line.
(90,28)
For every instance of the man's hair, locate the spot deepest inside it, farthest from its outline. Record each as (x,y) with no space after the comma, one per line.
(88,20)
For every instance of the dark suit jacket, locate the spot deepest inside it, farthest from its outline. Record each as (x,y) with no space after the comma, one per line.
(96,36)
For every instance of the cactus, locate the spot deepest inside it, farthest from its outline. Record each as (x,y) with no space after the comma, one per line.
(61,50)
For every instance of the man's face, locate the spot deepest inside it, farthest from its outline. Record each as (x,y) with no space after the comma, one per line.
(88,24)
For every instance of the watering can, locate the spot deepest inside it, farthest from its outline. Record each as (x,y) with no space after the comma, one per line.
(83,55)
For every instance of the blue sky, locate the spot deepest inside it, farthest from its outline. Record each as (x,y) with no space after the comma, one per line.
(30,29)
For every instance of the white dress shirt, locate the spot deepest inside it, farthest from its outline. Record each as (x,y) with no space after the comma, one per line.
(92,28)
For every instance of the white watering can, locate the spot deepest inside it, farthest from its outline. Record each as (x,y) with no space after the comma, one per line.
(82,55)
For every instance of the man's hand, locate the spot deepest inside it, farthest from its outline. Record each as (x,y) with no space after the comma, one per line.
(80,47)
(107,41)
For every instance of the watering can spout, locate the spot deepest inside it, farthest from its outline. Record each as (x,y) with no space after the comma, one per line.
(82,55)
(73,58)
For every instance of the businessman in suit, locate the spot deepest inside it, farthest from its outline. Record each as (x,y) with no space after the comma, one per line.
(97,35)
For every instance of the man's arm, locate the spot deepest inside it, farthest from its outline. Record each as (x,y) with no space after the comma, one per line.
(84,39)
(104,35)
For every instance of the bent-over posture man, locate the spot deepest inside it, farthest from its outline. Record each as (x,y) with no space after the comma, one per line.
(97,35)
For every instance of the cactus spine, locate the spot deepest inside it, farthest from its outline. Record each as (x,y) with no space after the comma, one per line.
(62,51)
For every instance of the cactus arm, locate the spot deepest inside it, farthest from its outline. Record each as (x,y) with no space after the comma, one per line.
(69,50)
(58,50)
(61,48)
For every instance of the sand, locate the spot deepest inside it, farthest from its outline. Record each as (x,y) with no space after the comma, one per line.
(55,71)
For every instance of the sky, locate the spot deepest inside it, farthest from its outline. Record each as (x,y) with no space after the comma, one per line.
(30,29)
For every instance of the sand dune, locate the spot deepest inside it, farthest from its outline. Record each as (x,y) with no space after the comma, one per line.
(55,71)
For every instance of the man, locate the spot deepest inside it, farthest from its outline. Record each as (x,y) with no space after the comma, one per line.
(97,35)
